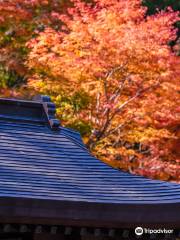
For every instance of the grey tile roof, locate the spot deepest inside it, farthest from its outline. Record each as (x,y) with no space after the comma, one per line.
(38,163)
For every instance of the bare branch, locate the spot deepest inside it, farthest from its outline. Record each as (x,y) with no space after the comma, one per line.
(109,74)
(97,102)
(119,90)
(138,93)
(114,130)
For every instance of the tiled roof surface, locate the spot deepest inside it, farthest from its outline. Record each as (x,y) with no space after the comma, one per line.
(36,162)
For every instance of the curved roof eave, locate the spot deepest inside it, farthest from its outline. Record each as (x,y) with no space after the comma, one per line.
(48,172)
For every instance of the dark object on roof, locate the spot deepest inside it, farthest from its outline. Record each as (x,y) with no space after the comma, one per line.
(42,112)
(47,176)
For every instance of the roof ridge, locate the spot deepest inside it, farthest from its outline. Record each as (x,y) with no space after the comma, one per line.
(40,110)
(50,110)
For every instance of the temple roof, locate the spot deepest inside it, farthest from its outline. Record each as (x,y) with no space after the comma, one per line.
(43,164)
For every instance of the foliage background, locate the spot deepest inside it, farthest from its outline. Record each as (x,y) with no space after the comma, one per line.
(129,152)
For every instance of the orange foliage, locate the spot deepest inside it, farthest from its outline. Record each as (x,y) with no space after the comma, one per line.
(21,20)
(120,60)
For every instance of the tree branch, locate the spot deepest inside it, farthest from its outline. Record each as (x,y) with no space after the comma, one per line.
(138,93)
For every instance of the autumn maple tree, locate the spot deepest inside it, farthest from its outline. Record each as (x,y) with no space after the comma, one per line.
(21,20)
(110,68)
(156,5)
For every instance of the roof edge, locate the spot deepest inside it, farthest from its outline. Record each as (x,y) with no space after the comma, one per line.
(91,214)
